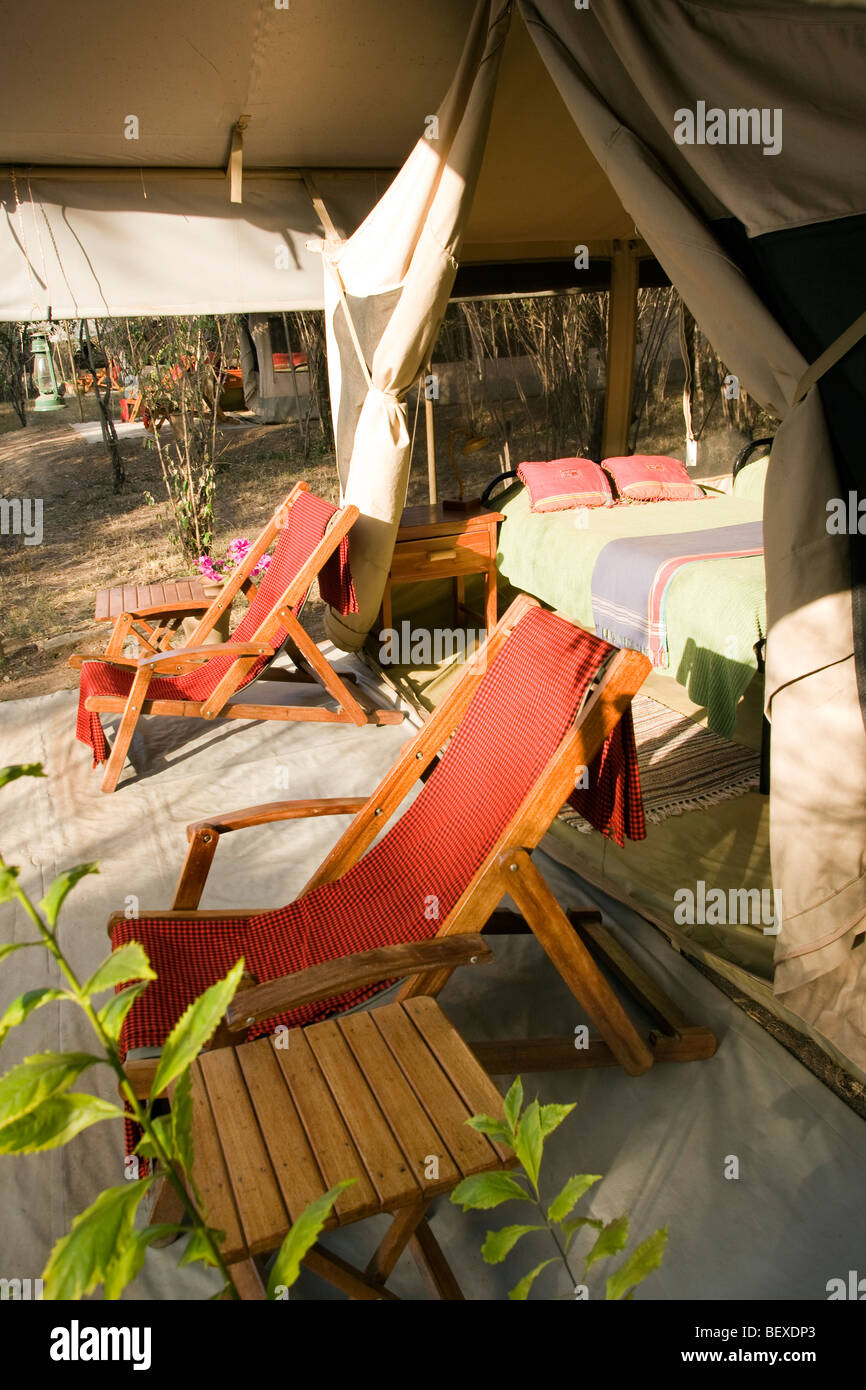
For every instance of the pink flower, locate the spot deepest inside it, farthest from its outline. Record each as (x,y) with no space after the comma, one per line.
(215,571)
(208,569)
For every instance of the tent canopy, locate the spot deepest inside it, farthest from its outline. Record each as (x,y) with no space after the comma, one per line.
(96,223)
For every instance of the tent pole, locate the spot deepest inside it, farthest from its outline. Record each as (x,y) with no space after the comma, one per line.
(621,332)
(432,493)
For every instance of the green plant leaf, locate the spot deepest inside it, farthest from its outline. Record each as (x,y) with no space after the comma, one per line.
(10,774)
(497,1129)
(194,1027)
(641,1262)
(521,1290)
(181,1127)
(529,1141)
(570,1195)
(611,1238)
(114,1011)
(97,1241)
(302,1235)
(552,1116)
(25,1004)
(146,1147)
(569,1227)
(486,1190)
(197,1249)
(129,962)
(53,900)
(499,1243)
(8,882)
(55,1122)
(127,1264)
(37,1079)
(513,1101)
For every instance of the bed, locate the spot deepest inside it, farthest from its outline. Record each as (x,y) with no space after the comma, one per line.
(711,611)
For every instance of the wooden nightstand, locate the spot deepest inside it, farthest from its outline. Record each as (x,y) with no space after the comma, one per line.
(433,543)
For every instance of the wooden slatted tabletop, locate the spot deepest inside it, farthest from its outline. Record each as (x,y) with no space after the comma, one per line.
(370,1096)
(149,599)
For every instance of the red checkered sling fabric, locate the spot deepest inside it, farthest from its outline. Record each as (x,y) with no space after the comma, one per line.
(612,800)
(306,525)
(408,882)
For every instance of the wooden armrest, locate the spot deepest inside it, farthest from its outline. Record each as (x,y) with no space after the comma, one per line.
(204,836)
(278,810)
(76,661)
(178,660)
(348,972)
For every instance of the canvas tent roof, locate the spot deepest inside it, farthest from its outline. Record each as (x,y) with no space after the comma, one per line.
(343,87)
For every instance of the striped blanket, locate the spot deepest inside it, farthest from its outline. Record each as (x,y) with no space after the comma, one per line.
(632,575)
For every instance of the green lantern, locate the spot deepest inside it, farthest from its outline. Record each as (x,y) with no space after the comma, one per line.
(44,375)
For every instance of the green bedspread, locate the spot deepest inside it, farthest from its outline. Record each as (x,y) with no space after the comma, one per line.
(716,609)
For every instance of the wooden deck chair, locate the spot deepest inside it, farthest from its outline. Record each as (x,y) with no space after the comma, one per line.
(200,681)
(537,705)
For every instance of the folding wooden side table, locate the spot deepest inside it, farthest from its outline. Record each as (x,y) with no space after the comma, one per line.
(381,1096)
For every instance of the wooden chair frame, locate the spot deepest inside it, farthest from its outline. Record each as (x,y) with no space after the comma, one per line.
(352,708)
(507,870)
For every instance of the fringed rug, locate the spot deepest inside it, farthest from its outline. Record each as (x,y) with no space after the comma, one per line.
(683,766)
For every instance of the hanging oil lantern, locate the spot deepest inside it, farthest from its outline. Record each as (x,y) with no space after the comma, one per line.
(44,376)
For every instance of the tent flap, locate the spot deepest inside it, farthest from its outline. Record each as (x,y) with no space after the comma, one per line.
(605,65)
(386,291)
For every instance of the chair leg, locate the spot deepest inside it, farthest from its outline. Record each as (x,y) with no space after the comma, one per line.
(117,758)
(120,632)
(324,672)
(248,1281)
(396,1238)
(126,729)
(354,709)
(574,962)
(427,1254)
(167,1208)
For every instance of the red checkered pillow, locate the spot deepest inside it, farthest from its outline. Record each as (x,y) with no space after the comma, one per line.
(564,483)
(651,478)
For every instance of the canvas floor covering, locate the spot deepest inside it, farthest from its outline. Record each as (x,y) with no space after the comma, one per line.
(792,1220)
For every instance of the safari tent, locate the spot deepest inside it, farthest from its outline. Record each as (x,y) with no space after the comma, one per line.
(376,158)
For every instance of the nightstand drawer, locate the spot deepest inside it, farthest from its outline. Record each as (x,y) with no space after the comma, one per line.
(466,554)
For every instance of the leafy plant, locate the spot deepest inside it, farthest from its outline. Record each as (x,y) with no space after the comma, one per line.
(180,365)
(525,1135)
(39,1110)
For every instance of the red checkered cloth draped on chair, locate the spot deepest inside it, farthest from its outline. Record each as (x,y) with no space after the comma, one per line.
(611,800)
(306,525)
(514,724)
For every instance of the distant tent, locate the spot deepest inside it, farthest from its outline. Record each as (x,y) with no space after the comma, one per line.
(304,115)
